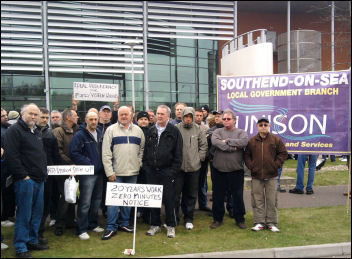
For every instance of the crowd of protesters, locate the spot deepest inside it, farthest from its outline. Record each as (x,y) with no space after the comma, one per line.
(124,147)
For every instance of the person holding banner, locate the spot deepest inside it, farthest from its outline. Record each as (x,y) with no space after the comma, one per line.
(26,161)
(85,149)
(64,134)
(264,155)
(123,147)
(228,171)
(161,162)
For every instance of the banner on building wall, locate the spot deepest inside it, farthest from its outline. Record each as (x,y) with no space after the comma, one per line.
(311,112)
(95,92)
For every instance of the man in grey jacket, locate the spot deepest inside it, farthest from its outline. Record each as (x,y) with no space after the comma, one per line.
(228,169)
(194,150)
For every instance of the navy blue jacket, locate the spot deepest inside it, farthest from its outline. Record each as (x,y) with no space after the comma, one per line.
(84,150)
(24,152)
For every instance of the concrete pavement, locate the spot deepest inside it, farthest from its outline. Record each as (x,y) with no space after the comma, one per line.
(312,251)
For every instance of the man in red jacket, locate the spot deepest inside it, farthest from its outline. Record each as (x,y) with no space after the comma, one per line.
(264,155)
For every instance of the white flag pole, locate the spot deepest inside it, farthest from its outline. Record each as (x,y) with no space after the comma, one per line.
(134,231)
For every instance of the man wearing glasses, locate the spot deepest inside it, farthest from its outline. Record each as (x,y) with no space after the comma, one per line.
(264,155)
(229,143)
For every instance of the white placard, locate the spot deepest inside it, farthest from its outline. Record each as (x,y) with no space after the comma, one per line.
(95,92)
(134,195)
(70,170)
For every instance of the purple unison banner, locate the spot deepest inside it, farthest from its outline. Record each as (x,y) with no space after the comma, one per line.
(311,112)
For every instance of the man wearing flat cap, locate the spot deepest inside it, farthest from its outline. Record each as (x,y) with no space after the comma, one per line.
(264,155)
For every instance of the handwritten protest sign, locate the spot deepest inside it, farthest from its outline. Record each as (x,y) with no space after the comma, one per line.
(134,195)
(70,170)
(95,92)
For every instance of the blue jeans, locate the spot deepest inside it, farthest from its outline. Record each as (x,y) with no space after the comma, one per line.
(30,204)
(91,192)
(311,171)
(113,211)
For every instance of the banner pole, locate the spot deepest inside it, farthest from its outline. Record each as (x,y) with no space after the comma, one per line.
(134,231)
(349,186)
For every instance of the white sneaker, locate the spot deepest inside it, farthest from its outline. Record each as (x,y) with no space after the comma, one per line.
(98,229)
(52,222)
(343,160)
(153,230)
(7,223)
(4,246)
(170,232)
(189,225)
(273,228)
(258,227)
(84,236)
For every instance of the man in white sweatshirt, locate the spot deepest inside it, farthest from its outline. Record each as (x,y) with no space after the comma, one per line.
(123,148)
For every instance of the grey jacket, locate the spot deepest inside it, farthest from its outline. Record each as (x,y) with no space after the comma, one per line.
(194,143)
(229,146)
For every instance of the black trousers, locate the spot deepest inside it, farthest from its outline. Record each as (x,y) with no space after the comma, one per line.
(203,174)
(221,182)
(187,185)
(8,205)
(65,213)
(167,179)
(48,192)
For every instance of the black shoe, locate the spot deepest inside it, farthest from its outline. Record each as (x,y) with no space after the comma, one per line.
(296,191)
(309,192)
(127,229)
(205,209)
(59,231)
(42,240)
(108,234)
(241,225)
(23,255)
(37,247)
(216,224)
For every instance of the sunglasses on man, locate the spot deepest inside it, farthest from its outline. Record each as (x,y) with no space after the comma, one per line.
(263,125)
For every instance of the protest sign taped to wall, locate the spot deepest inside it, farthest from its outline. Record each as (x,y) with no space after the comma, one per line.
(134,195)
(311,112)
(95,91)
(70,170)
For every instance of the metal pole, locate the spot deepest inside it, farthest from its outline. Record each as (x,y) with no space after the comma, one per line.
(45,54)
(235,21)
(288,36)
(134,231)
(145,53)
(332,36)
(133,97)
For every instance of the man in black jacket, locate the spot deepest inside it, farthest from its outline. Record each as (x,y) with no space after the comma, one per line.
(161,161)
(53,158)
(26,161)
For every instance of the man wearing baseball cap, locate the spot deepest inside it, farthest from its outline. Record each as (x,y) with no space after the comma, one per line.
(264,155)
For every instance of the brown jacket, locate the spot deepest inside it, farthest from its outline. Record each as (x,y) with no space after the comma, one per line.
(265,156)
(64,137)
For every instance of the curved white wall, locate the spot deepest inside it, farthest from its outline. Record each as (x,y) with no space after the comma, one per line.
(253,60)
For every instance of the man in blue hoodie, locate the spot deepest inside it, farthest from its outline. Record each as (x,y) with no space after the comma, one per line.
(85,149)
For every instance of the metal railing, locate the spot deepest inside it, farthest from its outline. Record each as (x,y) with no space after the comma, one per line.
(244,40)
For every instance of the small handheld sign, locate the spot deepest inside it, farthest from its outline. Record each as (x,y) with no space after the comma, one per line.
(137,195)
(70,170)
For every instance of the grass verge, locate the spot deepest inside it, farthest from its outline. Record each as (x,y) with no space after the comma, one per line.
(299,227)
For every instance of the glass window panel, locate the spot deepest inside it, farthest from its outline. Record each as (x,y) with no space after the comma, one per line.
(158,59)
(159,86)
(186,74)
(203,62)
(186,42)
(159,73)
(206,44)
(203,76)
(185,61)
(185,51)
(203,89)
